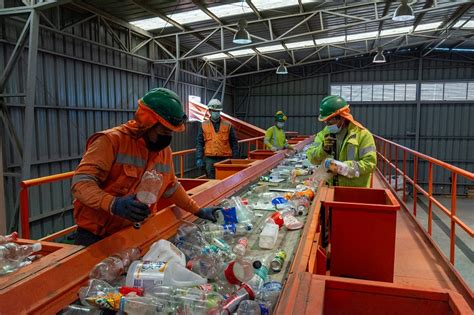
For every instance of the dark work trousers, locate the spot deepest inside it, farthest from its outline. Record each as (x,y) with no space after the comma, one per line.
(86,238)
(210,170)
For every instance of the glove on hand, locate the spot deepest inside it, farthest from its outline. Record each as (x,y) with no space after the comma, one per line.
(128,207)
(328,143)
(208,213)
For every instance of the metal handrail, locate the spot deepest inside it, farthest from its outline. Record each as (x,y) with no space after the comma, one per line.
(389,163)
(26,184)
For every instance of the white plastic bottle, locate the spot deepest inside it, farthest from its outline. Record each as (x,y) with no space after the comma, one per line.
(164,250)
(269,235)
(148,274)
(12,254)
(342,168)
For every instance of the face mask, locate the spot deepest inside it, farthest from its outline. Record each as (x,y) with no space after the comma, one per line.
(334,128)
(280,125)
(162,142)
(215,115)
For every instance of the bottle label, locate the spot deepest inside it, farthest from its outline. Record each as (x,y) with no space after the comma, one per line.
(278,260)
(149,273)
(243,241)
(230,215)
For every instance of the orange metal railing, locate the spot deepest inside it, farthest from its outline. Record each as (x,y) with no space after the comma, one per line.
(26,184)
(391,154)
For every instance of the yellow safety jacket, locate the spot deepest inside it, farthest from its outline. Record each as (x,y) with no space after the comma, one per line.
(275,137)
(357,150)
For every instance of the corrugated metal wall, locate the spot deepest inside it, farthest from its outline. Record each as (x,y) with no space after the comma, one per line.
(81,88)
(444,131)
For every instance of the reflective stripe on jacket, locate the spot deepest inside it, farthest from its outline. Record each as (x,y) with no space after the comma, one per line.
(112,166)
(216,144)
(275,137)
(357,150)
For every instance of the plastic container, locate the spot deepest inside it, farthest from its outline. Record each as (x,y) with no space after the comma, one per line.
(241,247)
(269,236)
(164,250)
(115,265)
(149,187)
(12,255)
(342,168)
(238,271)
(248,307)
(8,238)
(231,304)
(148,274)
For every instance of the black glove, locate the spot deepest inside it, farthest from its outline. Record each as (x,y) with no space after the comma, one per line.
(208,213)
(199,163)
(328,143)
(128,207)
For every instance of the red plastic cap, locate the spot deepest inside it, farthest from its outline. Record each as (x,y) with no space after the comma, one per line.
(128,290)
(229,274)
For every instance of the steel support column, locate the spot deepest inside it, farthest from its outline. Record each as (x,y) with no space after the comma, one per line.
(176,71)
(29,121)
(418,104)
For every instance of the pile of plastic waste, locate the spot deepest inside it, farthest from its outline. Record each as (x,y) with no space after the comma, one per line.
(14,256)
(207,268)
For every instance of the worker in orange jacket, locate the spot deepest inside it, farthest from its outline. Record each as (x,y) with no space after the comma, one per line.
(216,140)
(105,182)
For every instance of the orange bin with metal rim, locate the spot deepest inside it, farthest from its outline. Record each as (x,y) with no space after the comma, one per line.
(362,232)
(260,154)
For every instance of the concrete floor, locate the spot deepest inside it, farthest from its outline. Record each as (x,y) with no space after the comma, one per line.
(464,244)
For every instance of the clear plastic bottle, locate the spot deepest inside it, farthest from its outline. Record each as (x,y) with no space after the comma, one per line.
(248,307)
(148,189)
(115,265)
(241,247)
(100,294)
(238,271)
(244,214)
(342,168)
(12,255)
(8,238)
(231,304)
(210,230)
(80,310)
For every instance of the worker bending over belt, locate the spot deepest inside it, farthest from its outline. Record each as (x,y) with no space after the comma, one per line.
(105,182)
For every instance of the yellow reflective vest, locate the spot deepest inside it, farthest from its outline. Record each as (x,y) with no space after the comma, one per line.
(357,150)
(275,137)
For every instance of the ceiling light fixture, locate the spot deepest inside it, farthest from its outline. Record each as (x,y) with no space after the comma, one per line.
(242,36)
(281,68)
(404,12)
(379,57)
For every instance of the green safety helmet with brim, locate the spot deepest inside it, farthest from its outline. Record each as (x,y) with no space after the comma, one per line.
(163,106)
(215,104)
(280,116)
(330,105)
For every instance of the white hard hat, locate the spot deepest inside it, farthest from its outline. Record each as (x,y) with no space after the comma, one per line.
(215,104)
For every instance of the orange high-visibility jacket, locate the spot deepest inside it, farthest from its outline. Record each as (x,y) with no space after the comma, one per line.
(216,144)
(112,166)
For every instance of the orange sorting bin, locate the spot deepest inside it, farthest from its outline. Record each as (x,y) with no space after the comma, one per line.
(362,232)
(229,167)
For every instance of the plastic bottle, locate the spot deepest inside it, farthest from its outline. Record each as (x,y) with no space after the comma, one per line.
(8,238)
(191,233)
(12,255)
(248,307)
(238,271)
(148,274)
(262,267)
(269,235)
(148,189)
(241,247)
(228,212)
(187,301)
(278,260)
(210,230)
(342,168)
(115,265)
(231,304)
(244,214)
(80,310)
(300,204)
(100,294)
(164,250)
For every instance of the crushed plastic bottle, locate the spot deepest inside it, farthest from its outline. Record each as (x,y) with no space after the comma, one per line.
(8,238)
(244,214)
(226,231)
(231,304)
(100,294)
(80,310)
(249,307)
(115,265)
(164,250)
(342,168)
(12,255)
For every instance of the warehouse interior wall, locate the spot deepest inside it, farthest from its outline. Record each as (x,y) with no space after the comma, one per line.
(85,83)
(439,128)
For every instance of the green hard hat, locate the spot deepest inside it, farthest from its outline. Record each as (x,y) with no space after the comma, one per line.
(329,105)
(167,105)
